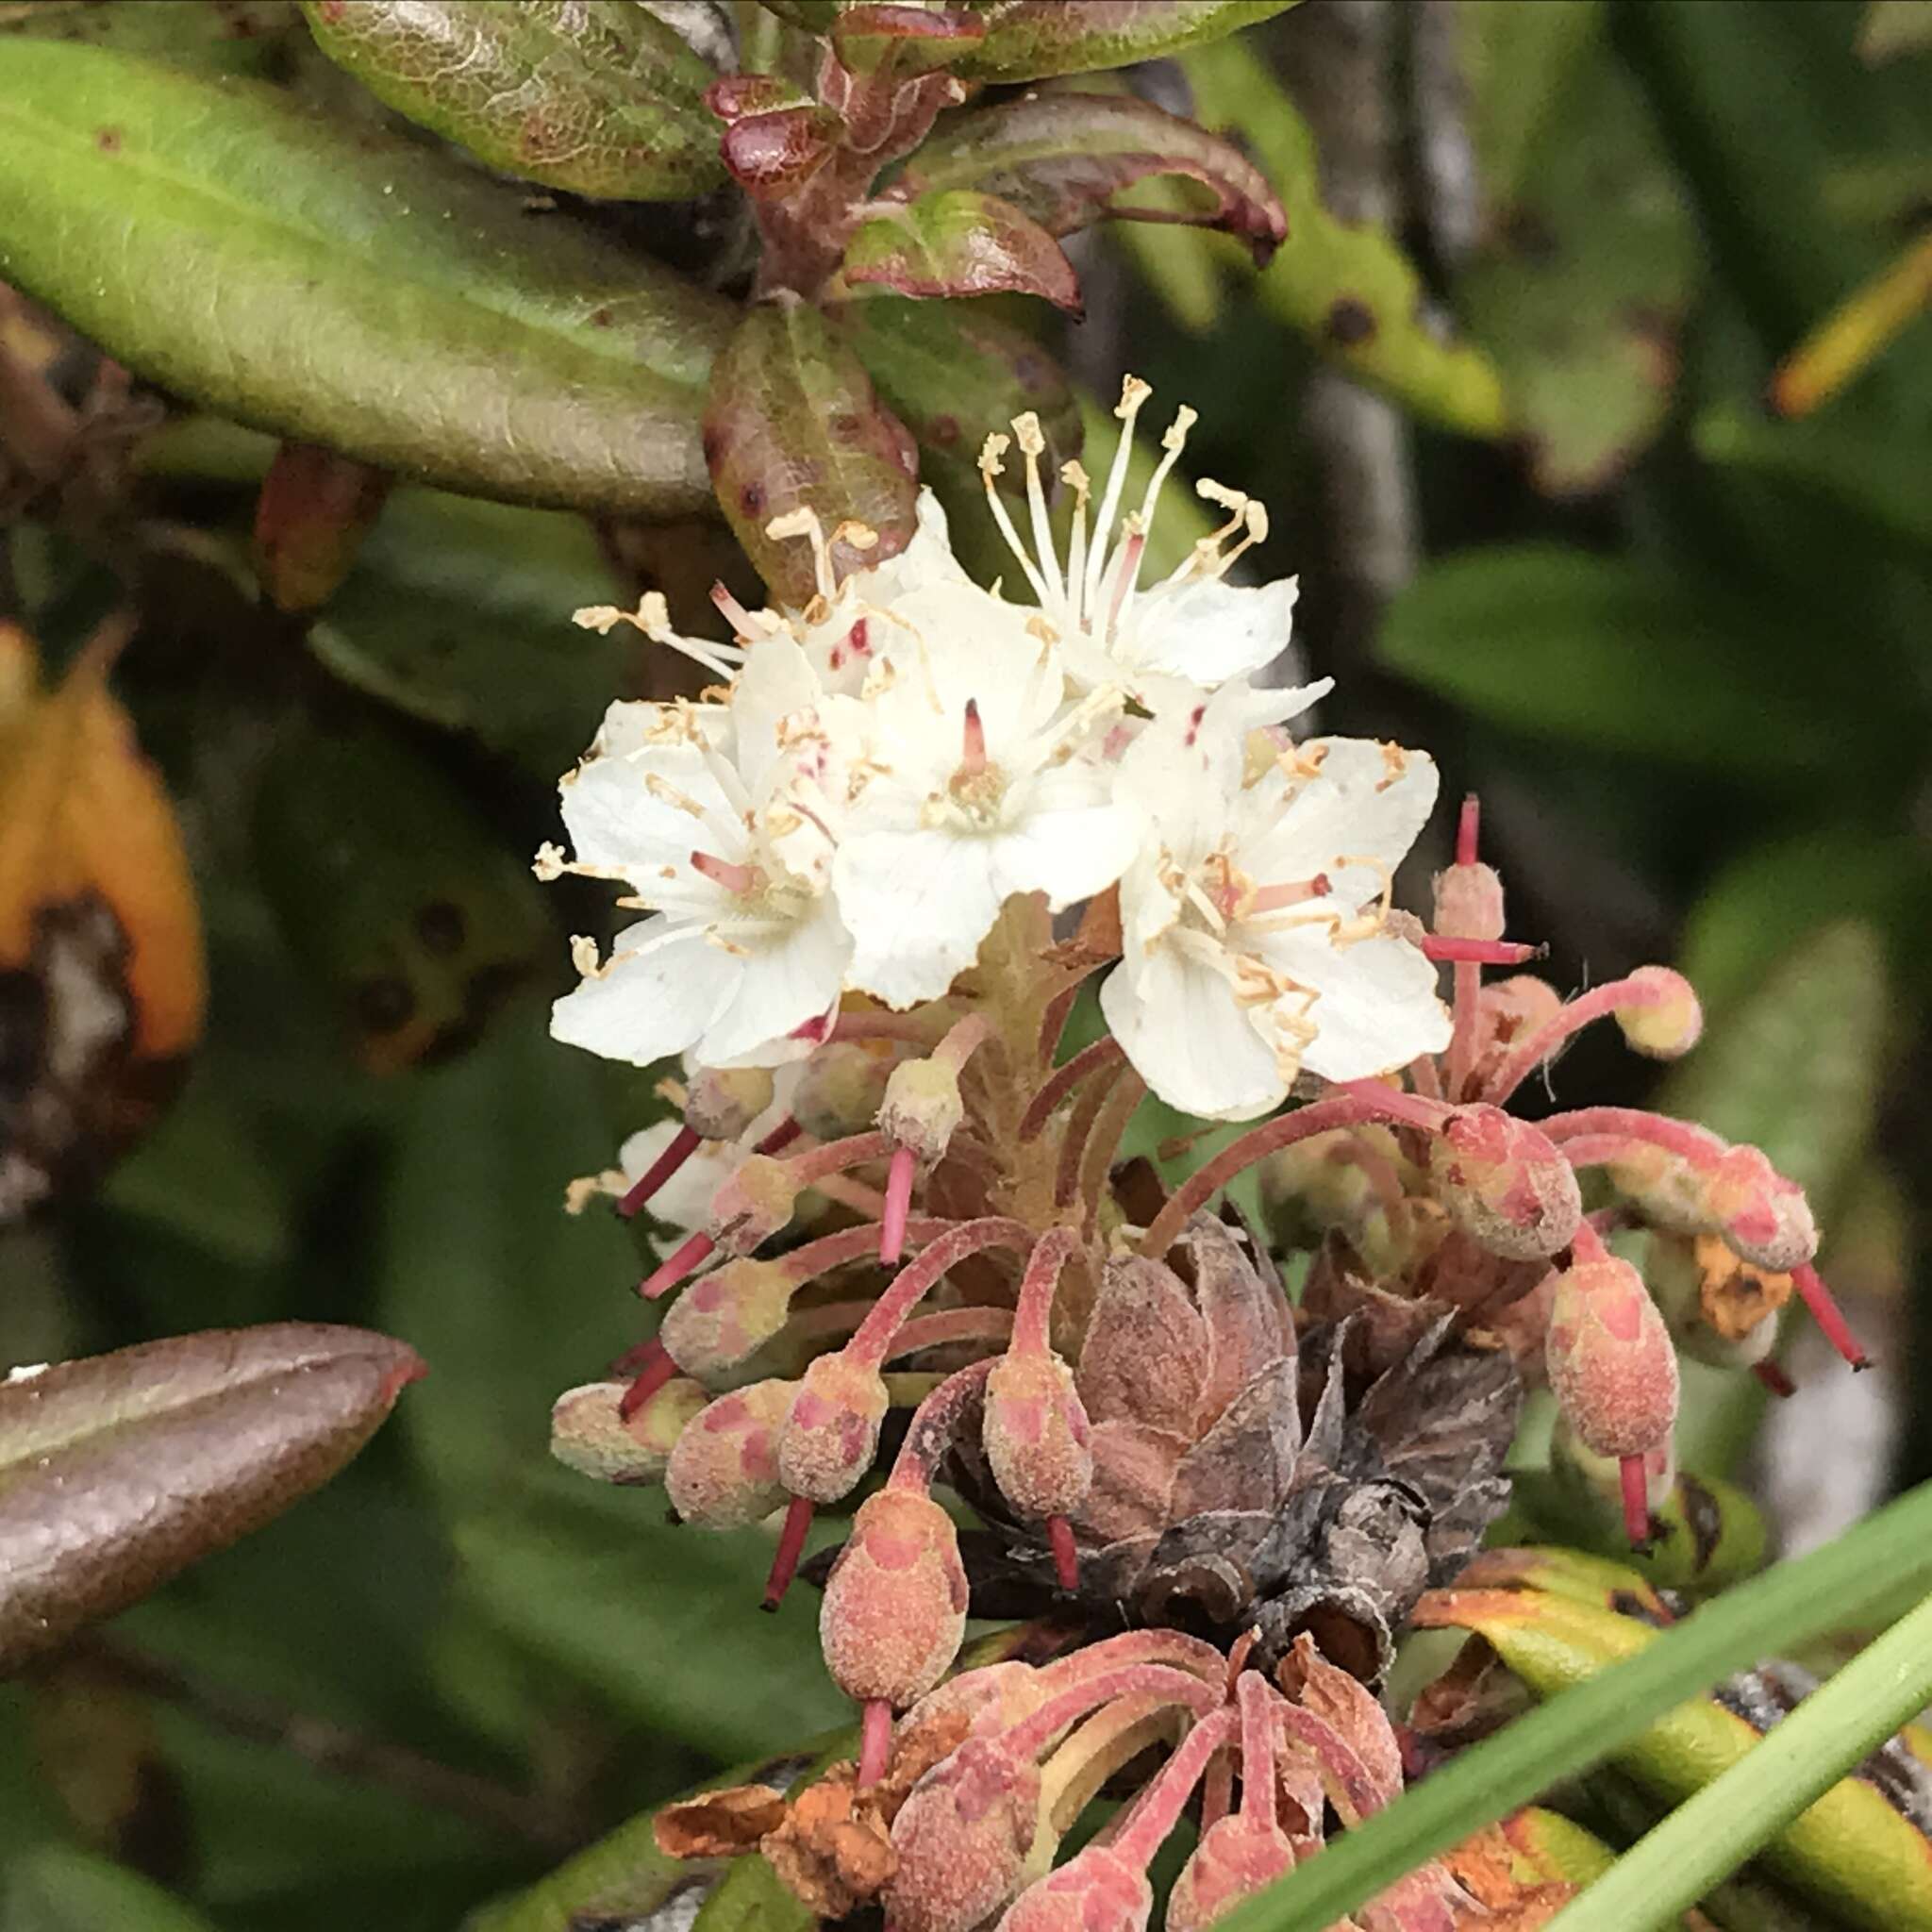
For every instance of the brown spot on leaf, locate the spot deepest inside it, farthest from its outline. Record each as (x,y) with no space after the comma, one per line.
(943,430)
(442,928)
(1527,235)
(752,499)
(1704,1517)
(601,318)
(384,1004)
(1350,322)
(108,140)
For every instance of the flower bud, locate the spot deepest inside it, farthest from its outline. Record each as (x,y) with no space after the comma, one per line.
(833,1431)
(753,1205)
(1717,1307)
(721,1103)
(1468,903)
(725,1317)
(894,1608)
(962,1837)
(1669,1027)
(1763,1216)
(724,1473)
(1235,1858)
(1094,1891)
(1504,1185)
(586,1433)
(1036,1434)
(840,1090)
(1611,1366)
(922,1109)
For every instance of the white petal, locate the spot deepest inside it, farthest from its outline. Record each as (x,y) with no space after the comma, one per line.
(1368,802)
(918,904)
(1065,835)
(775,684)
(1208,630)
(1183,780)
(1177,1021)
(925,560)
(651,1005)
(620,821)
(782,983)
(1378,1008)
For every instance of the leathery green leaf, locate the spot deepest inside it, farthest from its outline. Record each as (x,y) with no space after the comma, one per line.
(598,97)
(1347,286)
(348,287)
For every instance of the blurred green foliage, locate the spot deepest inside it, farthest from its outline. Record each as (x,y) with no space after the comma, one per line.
(1679,645)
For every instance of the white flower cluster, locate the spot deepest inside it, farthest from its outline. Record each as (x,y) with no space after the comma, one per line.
(880,772)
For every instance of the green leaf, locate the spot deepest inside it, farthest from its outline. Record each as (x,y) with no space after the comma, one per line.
(1562,644)
(459,613)
(1769,899)
(119,1471)
(1585,267)
(212,36)
(1346,286)
(1583,1726)
(57,1889)
(348,287)
(392,894)
(598,97)
(1028,40)
(958,242)
(1794,1771)
(794,422)
(1071,159)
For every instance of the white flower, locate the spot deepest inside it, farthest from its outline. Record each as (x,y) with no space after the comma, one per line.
(1189,633)
(1252,918)
(980,780)
(708,814)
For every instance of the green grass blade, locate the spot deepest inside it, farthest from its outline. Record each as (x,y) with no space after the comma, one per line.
(1786,1607)
(1704,1840)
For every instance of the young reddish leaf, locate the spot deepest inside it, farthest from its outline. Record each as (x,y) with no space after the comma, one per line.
(1068,161)
(602,100)
(313,512)
(908,40)
(792,422)
(957,243)
(101,974)
(118,1472)
(1026,40)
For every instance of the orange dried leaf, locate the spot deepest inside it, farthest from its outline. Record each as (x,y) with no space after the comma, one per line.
(719,1824)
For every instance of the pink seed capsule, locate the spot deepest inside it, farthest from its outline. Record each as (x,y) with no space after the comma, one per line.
(1611,1365)
(724,1471)
(1662,1019)
(589,1434)
(832,1433)
(1763,1216)
(894,1608)
(1037,1437)
(962,1837)
(1235,1858)
(1503,1184)
(1094,1891)
(726,1316)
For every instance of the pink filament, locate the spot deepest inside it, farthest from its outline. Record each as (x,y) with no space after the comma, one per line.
(875,1741)
(1066,1557)
(689,1254)
(1478,952)
(898,1206)
(1774,1378)
(1570,1018)
(781,1137)
(657,1369)
(1635,1482)
(1828,1315)
(790,1545)
(1063,1081)
(682,1145)
(1468,830)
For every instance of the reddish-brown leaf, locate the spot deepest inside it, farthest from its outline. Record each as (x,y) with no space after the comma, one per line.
(119,1471)
(957,242)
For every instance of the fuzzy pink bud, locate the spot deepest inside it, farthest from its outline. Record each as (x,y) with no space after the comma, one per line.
(1095,1891)
(588,1434)
(1236,1858)
(1611,1365)
(1468,903)
(1036,1434)
(962,1837)
(1503,1184)
(923,1109)
(724,1471)
(754,1202)
(894,1608)
(725,1317)
(833,1431)
(1763,1216)
(1667,1019)
(721,1103)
